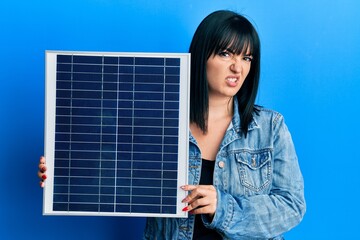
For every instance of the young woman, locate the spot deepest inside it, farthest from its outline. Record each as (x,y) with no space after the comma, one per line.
(245,181)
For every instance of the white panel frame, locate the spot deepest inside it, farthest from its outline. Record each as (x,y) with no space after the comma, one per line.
(50,113)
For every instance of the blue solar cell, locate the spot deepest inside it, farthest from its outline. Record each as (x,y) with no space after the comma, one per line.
(107,190)
(126,87)
(171,97)
(125,69)
(145,209)
(172,79)
(62,163)
(169,183)
(149,79)
(172,62)
(63,76)
(149,61)
(63,93)
(61,197)
(172,71)
(123,191)
(146,191)
(149,104)
(83,207)
(61,172)
(64,67)
(172,88)
(85,155)
(110,69)
(146,200)
(171,114)
(169,157)
(111,60)
(64,58)
(149,96)
(170,131)
(149,70)
(85,77)
(148,131)
(82,68)
(148,113)
(149,87)
(168,200)
(155,183)
(113,78)
(168,209)
(126,60)
(122,208)
(84,198)
(87,59)
(82,181)
(63,85)
(86,86)
(84,164)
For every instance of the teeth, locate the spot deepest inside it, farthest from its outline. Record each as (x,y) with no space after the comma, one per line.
(232,79)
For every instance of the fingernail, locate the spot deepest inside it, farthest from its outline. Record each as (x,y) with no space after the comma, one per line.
(43,169)
(43,176)
(185,209)
(182,187)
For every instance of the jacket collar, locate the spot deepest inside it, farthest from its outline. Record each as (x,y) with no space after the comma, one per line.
(235,123)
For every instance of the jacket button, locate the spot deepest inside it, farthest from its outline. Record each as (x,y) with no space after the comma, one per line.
(221,164)
(253,162)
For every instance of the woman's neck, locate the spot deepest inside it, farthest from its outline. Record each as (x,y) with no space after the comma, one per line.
(220,107)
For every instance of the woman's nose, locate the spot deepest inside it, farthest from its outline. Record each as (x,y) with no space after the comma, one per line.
(235,66)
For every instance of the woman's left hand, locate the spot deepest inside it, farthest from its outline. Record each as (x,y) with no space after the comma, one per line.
(201,200)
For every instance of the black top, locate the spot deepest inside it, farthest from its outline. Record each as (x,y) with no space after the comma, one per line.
(200,231)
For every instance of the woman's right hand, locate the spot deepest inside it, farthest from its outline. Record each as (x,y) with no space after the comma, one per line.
(42,171)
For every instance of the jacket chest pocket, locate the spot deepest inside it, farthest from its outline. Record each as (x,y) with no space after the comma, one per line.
(255,169)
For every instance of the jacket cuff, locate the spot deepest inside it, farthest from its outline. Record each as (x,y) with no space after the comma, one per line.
(223,215)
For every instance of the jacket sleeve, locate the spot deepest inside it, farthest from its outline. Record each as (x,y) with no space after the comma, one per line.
(265,215)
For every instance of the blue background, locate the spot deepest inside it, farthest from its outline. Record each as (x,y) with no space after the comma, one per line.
(310,69)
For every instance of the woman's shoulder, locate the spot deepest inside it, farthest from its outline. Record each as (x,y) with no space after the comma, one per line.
(266,115)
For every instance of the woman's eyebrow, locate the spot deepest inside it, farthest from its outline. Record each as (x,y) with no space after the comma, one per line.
(230,50)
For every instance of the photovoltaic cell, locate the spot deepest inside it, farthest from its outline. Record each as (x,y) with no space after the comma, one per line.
(116,133)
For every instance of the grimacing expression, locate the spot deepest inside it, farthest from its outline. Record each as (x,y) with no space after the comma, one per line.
(226,72)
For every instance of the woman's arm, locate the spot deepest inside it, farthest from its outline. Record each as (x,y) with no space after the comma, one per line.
(265,215)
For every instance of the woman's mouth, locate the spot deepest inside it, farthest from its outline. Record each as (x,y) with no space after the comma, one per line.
(232,81)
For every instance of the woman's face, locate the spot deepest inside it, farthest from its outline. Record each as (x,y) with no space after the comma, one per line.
(226,72)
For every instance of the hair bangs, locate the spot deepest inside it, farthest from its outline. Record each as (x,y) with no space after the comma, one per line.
(234,38)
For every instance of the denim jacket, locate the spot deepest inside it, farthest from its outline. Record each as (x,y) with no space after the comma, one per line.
(260,189)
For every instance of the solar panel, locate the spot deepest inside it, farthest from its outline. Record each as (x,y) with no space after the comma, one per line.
(116,133)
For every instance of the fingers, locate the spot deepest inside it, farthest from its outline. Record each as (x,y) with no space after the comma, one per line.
(42,160)
(42,184)
(41,172)
(201,200)
(42,164)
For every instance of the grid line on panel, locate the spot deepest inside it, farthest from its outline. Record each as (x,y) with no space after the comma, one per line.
(117,136)
(70,130)
(101,131)
(132,139)
(163,139)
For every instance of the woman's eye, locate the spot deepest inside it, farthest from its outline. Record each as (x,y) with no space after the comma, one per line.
(224,54)
(248,58)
